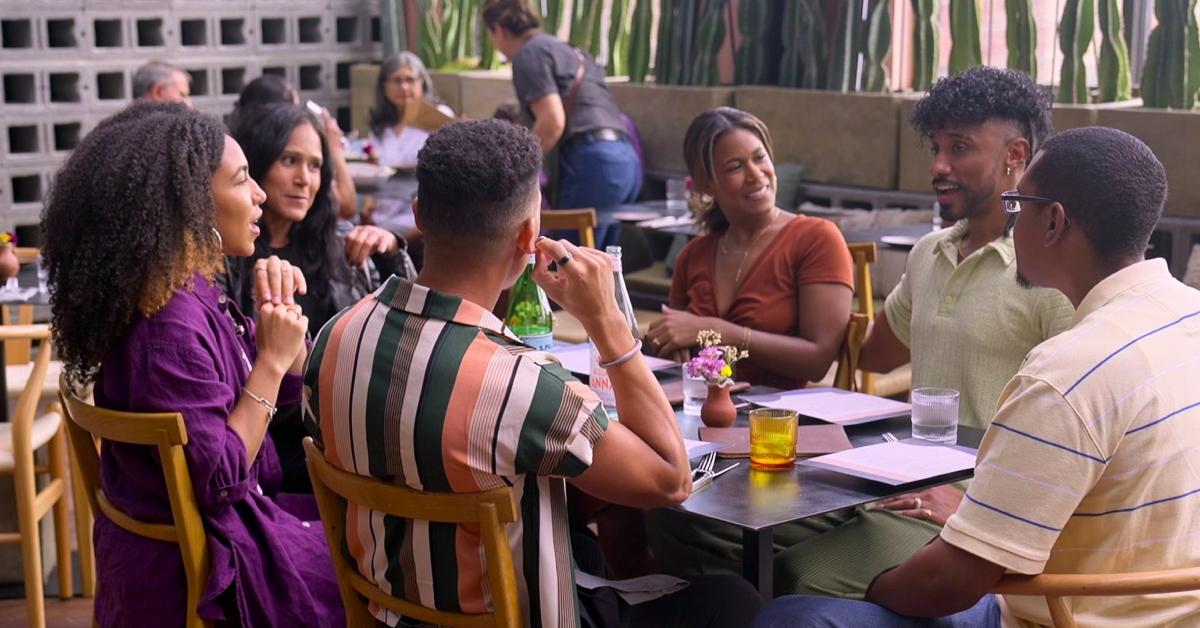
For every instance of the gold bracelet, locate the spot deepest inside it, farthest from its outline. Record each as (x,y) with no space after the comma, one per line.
(271,409)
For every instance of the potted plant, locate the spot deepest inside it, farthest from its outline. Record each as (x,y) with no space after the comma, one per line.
(714,364)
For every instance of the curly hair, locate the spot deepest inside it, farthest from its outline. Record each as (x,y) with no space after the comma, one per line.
(699,144)
(984,93)
(477,179)
(1109,181)
(128,222)
(263,134)
(384,114)
(515,16)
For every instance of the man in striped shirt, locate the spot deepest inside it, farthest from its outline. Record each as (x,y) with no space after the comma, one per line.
(420,384)
(1092,463)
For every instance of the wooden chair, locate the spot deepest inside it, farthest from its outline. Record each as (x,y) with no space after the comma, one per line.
(847,364)
(581,220)
(19,439)
(491,510)
(1055,587)
(166,432)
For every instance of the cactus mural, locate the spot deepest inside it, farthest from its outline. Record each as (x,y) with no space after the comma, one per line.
(639,41)
(846,46)
(585,26)
(755,22)
(618,39)
(1074,36)
(924,43)
(1021,36)
(710,33)
(803,61)
(1172,72)
(552,11)
(1114,55)
(879,42)
(668,13)
(965,49)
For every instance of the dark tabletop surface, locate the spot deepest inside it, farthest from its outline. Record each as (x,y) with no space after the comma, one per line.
(757,500)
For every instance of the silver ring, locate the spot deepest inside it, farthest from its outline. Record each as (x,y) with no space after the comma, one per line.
(564,259)
(917,505)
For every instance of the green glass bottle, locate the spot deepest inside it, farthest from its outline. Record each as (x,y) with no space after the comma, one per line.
(529,314)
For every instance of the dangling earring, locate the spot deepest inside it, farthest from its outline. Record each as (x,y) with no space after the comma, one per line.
(220,240)
(1008,171)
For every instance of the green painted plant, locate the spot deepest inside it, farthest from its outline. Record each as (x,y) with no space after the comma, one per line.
(618,38)
(432,50)
(925,43)
(639,41)
(552,12)
(754,19)
(965,49)
(1114,56)
(585,26)
(846,48)
(1021,36)
(1172,72)
(1074,36)
(710,34)
(803,34)
(392,25)
(668,14)
(879,42)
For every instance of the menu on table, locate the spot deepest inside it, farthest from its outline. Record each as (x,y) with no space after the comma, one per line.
(898,463)
(833,405)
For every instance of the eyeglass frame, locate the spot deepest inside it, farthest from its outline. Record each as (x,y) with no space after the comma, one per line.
(1015,198)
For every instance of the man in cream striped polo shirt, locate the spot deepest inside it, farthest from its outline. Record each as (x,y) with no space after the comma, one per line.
(420,384)
(1092,463)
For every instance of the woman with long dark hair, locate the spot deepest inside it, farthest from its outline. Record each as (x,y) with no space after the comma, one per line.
(137,224)
(288,155)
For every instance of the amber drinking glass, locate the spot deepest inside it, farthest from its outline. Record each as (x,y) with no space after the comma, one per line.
(772,439)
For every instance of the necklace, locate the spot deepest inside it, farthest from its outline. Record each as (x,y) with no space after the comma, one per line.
(737,278)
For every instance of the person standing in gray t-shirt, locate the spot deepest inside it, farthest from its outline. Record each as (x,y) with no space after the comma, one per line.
(562,91)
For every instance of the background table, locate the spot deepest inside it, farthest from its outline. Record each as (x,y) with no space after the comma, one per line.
(757,501)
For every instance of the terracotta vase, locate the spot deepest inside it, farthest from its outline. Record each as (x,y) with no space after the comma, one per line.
(718,409)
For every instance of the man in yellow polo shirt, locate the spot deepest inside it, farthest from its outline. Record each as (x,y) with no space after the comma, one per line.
(957,313)
(1092,463)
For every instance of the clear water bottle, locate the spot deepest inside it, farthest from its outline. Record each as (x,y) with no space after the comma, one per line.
(598,378)
(529,314)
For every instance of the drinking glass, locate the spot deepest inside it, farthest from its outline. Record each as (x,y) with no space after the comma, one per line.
(43,275)
(772,439)
(695,390)
(676,197)
(935,414)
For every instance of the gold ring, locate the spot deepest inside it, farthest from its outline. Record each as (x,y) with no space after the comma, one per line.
(927,514)
(917,504)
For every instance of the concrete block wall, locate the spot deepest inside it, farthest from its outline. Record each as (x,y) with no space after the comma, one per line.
(65,65)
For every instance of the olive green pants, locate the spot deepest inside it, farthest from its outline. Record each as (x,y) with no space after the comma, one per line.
(837,554)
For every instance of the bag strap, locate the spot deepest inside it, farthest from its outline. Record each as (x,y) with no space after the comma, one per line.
(573,92)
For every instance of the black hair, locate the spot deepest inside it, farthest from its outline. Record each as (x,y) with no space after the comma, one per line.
(476,179)
(1110,184)
(264,133)
(982,93)
(384,114)
(267,89)
(128,221)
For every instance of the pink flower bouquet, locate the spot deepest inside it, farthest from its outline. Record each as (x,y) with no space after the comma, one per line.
(714,363)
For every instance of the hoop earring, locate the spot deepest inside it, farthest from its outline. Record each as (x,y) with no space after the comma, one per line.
(220,240)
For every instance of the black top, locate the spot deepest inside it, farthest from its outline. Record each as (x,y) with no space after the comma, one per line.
(545,65)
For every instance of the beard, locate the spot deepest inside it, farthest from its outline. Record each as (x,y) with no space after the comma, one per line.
(1024,282)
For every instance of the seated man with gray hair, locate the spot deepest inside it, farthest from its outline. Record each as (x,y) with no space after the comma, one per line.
(159,81)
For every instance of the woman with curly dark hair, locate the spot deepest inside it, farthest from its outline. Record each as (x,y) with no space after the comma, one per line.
(136,225)
(288,155)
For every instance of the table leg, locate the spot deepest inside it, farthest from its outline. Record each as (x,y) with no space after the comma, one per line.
(758,560)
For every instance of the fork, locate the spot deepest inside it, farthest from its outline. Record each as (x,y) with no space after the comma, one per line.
(890,437)
(705,467)
(708,478)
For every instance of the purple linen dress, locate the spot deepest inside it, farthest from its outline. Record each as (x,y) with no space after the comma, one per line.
(269,568)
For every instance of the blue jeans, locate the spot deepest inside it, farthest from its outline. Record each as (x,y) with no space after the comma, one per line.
(794,611)
(599,175)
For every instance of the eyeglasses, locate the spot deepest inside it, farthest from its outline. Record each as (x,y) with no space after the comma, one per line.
(1013,199)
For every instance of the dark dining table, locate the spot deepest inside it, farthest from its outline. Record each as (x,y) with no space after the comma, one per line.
(758,501)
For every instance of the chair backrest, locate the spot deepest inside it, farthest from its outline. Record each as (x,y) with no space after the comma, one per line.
(18,350)
(856,332)
(491,510)
(581,220)
(863,254)
(1057,586)
(27,402)
(165,431)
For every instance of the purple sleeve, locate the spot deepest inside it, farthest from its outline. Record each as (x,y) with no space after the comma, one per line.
(185,379)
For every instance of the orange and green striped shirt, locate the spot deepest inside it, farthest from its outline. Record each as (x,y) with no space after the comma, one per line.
(433,392)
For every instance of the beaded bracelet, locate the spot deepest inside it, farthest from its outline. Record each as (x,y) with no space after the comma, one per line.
(637,348)
(271,409)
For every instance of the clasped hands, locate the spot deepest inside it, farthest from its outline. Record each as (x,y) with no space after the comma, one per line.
(282,324)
